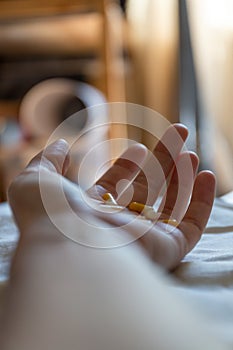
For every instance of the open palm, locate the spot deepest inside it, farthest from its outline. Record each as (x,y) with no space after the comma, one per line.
(188,197)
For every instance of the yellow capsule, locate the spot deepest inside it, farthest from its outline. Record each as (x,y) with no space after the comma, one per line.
(136,206)
(171,222)
(108,198)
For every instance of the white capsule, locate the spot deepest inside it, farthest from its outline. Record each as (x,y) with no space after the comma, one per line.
(108,208)
(109,199)
(150,213)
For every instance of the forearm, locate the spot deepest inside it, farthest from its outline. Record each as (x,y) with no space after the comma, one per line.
(63,295)
(61,291)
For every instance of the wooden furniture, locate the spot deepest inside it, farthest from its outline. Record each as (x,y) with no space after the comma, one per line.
(68,29)
(74,37)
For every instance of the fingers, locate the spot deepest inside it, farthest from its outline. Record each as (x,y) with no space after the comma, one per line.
(169,248)
(149,182)
(179,190)
(125,168)
(54,157)
(197,215)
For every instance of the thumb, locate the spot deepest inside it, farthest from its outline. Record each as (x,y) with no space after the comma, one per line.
(55,157)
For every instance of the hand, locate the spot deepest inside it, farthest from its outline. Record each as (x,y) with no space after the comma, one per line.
(188,199)
(166,165)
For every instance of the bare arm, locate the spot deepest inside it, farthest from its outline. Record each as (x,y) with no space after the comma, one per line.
(64,295)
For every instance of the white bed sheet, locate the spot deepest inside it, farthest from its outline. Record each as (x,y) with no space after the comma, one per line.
(204,277)
(206,274)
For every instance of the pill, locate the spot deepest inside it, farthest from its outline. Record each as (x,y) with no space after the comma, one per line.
(146,210)
(136,206)
(150,213)
(109,208)
(108,198)
(171,222)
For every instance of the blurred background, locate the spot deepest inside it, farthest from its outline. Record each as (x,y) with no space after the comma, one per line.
(60,56)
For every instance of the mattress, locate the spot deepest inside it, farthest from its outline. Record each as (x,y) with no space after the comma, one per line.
(204,277)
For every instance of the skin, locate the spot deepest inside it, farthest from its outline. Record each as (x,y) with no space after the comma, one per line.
(99,293)
(168,250)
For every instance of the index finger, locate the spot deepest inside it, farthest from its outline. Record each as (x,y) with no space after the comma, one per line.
(125,168)
(159,164)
